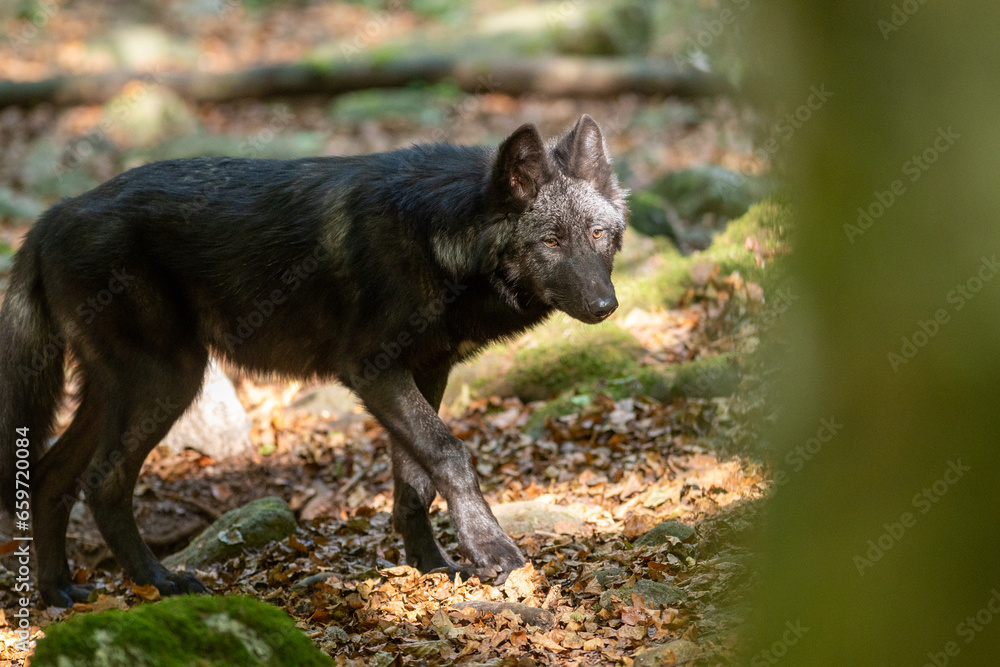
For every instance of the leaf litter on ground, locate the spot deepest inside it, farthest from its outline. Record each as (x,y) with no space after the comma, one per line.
(593,591)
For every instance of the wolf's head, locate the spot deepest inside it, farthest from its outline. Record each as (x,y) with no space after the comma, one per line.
(567,215)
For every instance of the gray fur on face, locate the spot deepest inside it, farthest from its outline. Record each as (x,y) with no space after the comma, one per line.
(567,207)
(562,245)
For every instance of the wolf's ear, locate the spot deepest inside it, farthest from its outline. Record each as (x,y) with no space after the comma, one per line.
(582,154)
(521,168)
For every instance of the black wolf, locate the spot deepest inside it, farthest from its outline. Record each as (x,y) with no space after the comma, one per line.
(381,271)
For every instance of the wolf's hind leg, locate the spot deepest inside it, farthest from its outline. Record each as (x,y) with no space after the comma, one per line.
(57,483)
(151,393)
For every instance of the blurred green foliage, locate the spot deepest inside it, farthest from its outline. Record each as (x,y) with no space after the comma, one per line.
(881,538)
(602,352)
(423,104)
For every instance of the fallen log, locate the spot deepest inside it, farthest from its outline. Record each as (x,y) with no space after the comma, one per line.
(549,77)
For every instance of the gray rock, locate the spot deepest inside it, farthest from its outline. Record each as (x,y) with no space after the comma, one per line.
(527,516)
(147,116)
(253,525)
(690,205)
(653,594)
(334,400)
(659,534)
(216,424)
(306,583)
(602,575)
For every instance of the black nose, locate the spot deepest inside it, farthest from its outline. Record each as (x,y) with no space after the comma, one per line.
(603,306)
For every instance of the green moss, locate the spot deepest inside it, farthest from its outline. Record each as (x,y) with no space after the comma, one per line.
(252,525)
(282,146)
(769,224)
(648,214)
(321,63)
(186,630)
(660,288)
(707,377)
(711,189)
(427,105)
(386,53)
(601,352)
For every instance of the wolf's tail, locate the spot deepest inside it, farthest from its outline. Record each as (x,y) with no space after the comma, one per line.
(32,351)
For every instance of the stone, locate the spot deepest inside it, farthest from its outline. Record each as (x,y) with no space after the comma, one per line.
(659,534)
(190,629)
(602,575)
(653,594)
(145,114)
(216,424)
(527,516)
(253,525)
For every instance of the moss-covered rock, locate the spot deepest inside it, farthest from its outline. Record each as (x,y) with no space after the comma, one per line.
(659,534)
(648,214)
(264,144)
(690,205)
(654,594)
(712,189)
(426,105)
(603,574)
(708,377)
(253,525)
(566,363)
(597,353)
(768,225)
(185,630)
(663,281)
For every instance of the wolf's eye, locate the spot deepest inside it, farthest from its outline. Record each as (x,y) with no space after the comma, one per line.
(551,242)
(598,233)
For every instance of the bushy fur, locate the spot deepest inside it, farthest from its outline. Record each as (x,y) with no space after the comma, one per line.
(382,271)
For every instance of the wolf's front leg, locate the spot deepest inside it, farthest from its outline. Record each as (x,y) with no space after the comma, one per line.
(396,402)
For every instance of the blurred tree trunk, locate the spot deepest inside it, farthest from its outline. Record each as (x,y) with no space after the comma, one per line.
(569,77)
(883,546)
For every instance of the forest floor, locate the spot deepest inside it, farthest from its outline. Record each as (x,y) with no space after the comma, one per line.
(599,478)
(600,472)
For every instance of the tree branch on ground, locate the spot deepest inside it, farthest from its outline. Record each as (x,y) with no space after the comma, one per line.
(549,77)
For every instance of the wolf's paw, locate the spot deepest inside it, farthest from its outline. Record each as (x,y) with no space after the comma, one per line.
(432,561)
(178,583)
(495,559)
(65,595)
